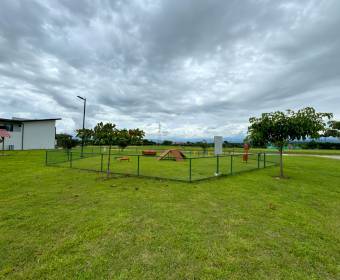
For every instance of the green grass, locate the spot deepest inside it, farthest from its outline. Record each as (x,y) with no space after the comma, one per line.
(201,167)
(61,223)
(197,151)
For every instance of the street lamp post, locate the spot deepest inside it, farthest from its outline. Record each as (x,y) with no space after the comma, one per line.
(82,139)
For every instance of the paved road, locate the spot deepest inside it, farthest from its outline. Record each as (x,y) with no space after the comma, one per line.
(310,155)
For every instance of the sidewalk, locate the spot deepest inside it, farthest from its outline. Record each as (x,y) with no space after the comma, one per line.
(311,155)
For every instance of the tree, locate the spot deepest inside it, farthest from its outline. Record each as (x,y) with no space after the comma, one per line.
(278,128)
(167,143)
(108,134)
(204,145)
(3,134)
(129,137)
(147,142)
(136,136)
(66,141)
(97,135)
(256,143)
(60,138)
(123,138)
(85,134)
(333,130)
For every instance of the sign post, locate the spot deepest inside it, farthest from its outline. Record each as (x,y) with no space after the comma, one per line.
(218,144)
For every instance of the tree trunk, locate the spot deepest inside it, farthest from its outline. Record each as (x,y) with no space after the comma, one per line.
(281,162)
(109,162)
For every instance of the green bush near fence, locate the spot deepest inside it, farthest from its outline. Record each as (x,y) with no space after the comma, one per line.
(194,167)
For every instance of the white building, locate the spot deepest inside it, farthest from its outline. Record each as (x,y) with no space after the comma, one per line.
(28,134)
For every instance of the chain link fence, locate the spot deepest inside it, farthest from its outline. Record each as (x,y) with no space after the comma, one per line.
(191,168)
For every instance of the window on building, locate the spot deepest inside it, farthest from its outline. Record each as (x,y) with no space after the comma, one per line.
(8,127)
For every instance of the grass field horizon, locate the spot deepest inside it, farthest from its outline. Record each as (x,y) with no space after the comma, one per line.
(194,165)
(60,223)
(138,149)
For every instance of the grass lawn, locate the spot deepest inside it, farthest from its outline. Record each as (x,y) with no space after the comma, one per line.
(60,223)
(192,150)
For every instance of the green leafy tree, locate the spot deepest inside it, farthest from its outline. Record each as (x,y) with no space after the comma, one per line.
(122,143)
(204,145)
(60,138)
(85,135)
(256,143)
(167,143)
(123,138)
(129,137)
(107,133)
(278,128)
(97,134)
(136,136)
(333,130)
(66,141)
(147,142)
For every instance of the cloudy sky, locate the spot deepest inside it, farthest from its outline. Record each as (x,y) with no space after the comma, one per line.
(199,67)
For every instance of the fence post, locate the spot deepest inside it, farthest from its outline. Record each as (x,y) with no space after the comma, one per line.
(190,178)
(46,158)
(70,159)
(264,160)
(217,164)
(138,165)
(101,163)
(258,160)
(231,164)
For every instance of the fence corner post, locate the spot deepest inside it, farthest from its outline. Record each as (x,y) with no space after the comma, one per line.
(264,160)
(217,164)
(101,163)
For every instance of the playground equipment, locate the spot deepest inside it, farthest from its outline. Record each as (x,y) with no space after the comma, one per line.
(172,155)
(4,134)
(245,152)
(123,159)
(149,152)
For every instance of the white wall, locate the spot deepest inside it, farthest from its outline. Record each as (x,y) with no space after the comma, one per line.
(39,135)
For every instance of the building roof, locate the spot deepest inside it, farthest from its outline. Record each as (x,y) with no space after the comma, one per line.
(19,120)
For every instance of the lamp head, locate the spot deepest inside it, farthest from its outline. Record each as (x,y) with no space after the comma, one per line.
(82,98)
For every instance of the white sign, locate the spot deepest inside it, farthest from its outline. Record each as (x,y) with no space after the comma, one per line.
(218,141)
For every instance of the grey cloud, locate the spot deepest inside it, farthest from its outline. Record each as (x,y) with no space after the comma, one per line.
(200,67)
